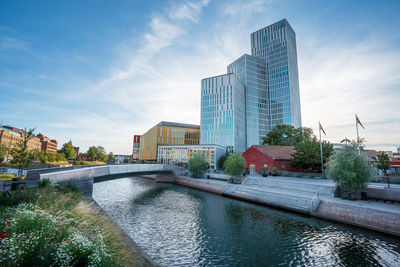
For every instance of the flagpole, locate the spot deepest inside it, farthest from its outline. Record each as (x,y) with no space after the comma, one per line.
(320,146)
(358,139)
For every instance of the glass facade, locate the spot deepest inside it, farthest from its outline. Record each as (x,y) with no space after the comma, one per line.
(276,44)
(222,119)
(180,155)
(238,109)
(251,71)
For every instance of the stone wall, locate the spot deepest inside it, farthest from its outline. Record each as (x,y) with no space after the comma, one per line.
(377,219)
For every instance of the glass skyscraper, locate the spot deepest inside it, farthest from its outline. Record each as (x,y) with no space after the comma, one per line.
(223,120)
(276,44)
(251,71)
(260,91)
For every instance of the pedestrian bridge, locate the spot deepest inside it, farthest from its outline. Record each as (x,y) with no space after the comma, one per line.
(85,177)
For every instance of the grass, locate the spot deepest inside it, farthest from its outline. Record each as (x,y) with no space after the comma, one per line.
(53,225)
(82,162)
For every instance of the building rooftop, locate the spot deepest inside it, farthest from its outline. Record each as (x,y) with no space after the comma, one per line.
(180,125)
(277,152)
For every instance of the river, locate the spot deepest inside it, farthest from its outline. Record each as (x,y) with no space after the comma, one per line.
(179,226)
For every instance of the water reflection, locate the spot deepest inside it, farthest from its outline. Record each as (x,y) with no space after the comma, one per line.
(180,226)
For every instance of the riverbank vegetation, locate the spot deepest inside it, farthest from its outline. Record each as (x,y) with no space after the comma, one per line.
(55,226)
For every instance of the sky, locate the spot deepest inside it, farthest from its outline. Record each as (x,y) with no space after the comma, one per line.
(98,72)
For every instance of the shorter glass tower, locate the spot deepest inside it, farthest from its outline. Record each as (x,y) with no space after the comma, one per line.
(251,71)
(223,119)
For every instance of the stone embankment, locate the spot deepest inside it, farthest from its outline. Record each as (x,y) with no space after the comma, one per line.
(312,197)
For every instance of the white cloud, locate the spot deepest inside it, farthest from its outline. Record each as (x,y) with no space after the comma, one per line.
(342,78)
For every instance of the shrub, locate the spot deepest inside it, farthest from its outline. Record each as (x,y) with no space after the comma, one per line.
(275,171)
(197,165)
(349,170)
(234,164)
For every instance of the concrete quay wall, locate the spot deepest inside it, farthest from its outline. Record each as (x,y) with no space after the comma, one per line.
(386,221)
(375,219)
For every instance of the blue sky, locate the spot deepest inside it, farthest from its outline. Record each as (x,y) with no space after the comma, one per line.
(97,72)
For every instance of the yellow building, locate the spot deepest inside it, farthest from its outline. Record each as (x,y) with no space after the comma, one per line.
(12,137)
(167,133)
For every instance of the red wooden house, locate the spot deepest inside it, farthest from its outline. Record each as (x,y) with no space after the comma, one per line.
(274,156)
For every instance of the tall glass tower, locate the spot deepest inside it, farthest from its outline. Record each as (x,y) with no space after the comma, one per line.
(238,109)
(251,71)
(276,44)
(223,119)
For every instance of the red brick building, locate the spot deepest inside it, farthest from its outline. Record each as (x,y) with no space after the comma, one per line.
(49,145)
(274,156)
(136,146)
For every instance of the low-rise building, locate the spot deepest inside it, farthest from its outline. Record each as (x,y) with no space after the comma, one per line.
(180,155)
(258,156)
(12,137)
(167,133)
(47,144)
(136,145)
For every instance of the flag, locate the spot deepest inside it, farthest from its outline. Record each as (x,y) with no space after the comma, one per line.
(322,129)
(359,122)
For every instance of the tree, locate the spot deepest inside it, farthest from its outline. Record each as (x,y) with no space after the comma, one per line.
(281,135)
(43,155)
(349,170)
(197,165)
(383,162)
(308,154)
(101,153)
(110,157)
(287,135)
(234,164)
(68,150)
(221,161)
(60,157)
(96,153)
(3,152)
(21,156)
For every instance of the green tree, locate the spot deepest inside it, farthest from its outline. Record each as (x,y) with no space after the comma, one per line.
(43,155)
(287,135)
(221,161)
(68,150)
(51,157)
(383,162)
(3,152)
(21,156)
(110,157)
(96,153)
(197,165)
(349,170)
(308,154)
(101,153)
(60,157)
(234,164)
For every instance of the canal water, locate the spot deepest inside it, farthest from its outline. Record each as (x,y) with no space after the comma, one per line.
(179,226)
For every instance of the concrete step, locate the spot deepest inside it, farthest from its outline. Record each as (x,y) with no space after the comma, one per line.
(265,182)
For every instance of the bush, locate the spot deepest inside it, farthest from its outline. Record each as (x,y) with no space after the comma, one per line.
(275,171)
(349,170)
(234,164)
(197,165)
